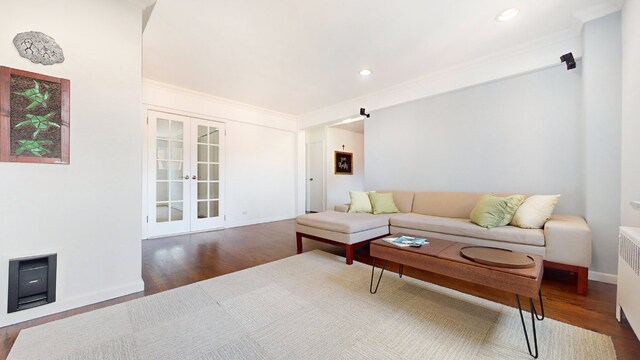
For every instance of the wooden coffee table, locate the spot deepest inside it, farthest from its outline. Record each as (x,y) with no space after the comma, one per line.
(443,257)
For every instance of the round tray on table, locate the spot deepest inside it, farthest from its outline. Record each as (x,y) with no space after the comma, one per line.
(497,257)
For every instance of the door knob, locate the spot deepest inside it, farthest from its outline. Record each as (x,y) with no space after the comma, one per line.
(186,177)
(311,179)
(194,177)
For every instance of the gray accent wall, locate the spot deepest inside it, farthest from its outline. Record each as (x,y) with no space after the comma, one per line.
(522,135)
(550,131)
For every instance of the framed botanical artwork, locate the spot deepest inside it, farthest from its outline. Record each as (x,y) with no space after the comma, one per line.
(343,163)
(34,117)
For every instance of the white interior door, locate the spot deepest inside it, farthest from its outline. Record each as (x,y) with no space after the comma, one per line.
(207,148)
(168,174)
(185,174)
(315,178)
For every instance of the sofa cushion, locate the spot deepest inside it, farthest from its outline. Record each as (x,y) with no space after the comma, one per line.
(402,199)
(535,211)
(360,202)
(346,223)
(445,204)
(494,211)
(464,227)
(382,203)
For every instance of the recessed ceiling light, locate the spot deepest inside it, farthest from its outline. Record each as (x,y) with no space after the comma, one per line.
(507,14)
(365,72)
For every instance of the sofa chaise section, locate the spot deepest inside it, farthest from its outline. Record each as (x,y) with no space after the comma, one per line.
(348,230)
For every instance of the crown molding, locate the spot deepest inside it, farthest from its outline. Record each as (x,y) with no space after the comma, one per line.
(216,99)
(142,4)
(538,54)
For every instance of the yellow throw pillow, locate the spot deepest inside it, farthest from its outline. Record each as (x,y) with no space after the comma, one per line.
(535,211)
(493,211)
(359,202)
(382,203)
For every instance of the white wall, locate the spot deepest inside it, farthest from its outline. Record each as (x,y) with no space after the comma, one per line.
(87,211)
(338,186)
(261,155)
(521,135)
(630,188)
(601,89)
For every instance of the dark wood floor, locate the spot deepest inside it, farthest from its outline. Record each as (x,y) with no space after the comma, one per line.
(176,261)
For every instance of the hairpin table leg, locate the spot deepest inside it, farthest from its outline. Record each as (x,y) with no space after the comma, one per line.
(373,267)
(534,316)
(401,270)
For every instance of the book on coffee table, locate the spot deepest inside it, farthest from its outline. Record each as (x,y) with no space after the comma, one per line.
(404,241)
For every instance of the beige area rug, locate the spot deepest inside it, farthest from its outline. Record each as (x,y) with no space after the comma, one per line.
(309,306)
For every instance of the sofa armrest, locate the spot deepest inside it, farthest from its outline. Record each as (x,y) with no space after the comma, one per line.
(342,208)
(568,240)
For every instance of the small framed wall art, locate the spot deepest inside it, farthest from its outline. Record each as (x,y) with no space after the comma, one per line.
(34,117)
(343,163)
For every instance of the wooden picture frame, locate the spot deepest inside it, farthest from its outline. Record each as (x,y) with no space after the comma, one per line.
(34,117)
(343,163)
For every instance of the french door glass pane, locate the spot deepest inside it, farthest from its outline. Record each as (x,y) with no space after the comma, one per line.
(177,191)
(162,191)
(213,190)
(176,211)
(175,170)
(202,153)
(162,129)
(214,154)
(215,173)
(214,211)
(176,150)
(214,136)
(202,134)
(202,172)
(162,170)
(202,190)
(176,130)
(162,212)
(202,209)
(163,150)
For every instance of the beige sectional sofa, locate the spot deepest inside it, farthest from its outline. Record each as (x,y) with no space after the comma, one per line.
(564,242)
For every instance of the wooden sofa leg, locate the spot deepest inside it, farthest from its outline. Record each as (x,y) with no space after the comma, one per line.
(583,280)
(299,242)
(349,254)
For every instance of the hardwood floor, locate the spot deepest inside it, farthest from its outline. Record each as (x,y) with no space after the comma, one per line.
(176,261)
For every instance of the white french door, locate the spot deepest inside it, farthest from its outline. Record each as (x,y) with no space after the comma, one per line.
(185,174)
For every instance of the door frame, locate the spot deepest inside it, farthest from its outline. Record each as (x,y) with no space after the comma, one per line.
(145,159)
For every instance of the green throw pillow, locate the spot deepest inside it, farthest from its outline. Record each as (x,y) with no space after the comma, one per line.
(492,211)
(382,203)
(360,202)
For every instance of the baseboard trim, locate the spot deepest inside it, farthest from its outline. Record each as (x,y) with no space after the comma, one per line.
(72,303)
(233,224)
(603,277)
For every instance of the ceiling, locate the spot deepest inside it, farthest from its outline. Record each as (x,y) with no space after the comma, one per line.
(297,56)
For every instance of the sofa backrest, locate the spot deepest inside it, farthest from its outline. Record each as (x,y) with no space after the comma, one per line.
(446,204)
(402,199)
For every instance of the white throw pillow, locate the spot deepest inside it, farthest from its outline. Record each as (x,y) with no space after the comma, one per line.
(360,202)
(535,211)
